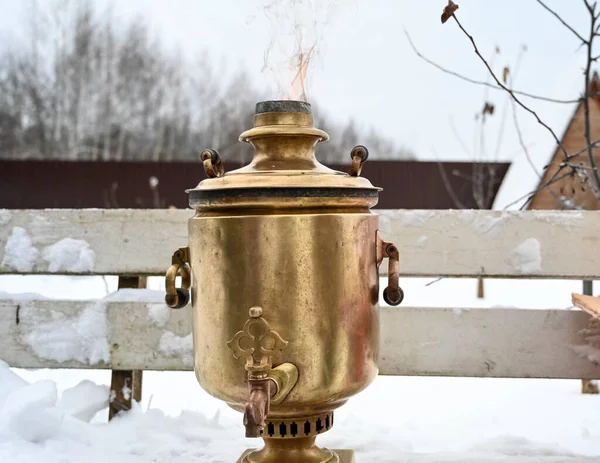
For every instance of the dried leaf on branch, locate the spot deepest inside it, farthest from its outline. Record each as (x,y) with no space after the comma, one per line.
(449,10)
(488,108)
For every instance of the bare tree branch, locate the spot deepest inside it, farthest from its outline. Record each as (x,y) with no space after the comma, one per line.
(557,16)
(481,82)
(511,93)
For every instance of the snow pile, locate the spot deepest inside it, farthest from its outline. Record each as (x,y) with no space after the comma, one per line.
(69,255)
(395,420)
(53,335)
(84,400)
(178,346)
(32,413)
(526,258)
(19,252)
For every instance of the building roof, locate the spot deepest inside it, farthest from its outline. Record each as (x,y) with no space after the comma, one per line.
(82,184)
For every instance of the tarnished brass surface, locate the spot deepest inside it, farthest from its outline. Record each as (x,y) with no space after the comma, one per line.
(295,451)
(285,377)
(284,145)
(345,456)
(316,277)
(297,243)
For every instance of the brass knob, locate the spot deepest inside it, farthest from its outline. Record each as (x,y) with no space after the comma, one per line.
(211,161)
(359,155)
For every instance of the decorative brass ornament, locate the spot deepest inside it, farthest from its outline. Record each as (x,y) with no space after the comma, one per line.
(299,239)
(264,343)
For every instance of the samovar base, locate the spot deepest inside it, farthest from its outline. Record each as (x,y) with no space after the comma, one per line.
(300,450)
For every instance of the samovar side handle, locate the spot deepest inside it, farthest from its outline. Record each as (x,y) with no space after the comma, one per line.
(176,298)
(392,294)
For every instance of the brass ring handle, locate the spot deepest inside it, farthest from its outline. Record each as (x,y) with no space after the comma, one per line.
(359,155)
(393,294)
(176,298)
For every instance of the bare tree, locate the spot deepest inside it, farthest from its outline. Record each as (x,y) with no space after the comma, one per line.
(87,87)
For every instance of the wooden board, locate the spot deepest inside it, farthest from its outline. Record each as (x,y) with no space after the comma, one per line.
(414,341)
(432,243)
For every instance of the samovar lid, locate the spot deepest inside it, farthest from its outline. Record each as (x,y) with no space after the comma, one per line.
(284,171)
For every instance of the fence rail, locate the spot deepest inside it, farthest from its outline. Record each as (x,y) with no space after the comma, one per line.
(532,244)
(129,337)
(415,341)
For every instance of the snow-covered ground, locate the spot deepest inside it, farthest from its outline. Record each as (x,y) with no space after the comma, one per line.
(54,416)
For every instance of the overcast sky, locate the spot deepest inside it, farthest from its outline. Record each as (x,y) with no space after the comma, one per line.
(366,70)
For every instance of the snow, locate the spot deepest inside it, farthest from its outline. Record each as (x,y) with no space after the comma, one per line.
(588,352)
(396,419)
(526,258)
(158,313)
(483,224)
(409,217)
(136,295)
(19,252)
(21,296)
(69,255)
(5,217)
(84,400)
(566,219)
(178,346)
(53,335)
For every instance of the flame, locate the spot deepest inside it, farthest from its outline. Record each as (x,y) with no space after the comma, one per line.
(297,90)
(297,28)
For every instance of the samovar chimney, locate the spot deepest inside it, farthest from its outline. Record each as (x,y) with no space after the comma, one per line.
(282,265)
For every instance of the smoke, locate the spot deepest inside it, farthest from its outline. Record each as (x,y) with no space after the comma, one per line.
(296,39)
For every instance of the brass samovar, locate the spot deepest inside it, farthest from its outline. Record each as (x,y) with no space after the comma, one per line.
(283,262)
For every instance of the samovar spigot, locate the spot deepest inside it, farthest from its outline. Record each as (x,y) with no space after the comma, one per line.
(266,383)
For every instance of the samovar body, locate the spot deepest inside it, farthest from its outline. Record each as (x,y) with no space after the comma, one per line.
(284,256)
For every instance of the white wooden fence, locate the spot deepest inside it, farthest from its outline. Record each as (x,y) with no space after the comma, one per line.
(415,341)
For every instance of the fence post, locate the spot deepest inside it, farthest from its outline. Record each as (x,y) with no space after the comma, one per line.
(588,386)
(125,385)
